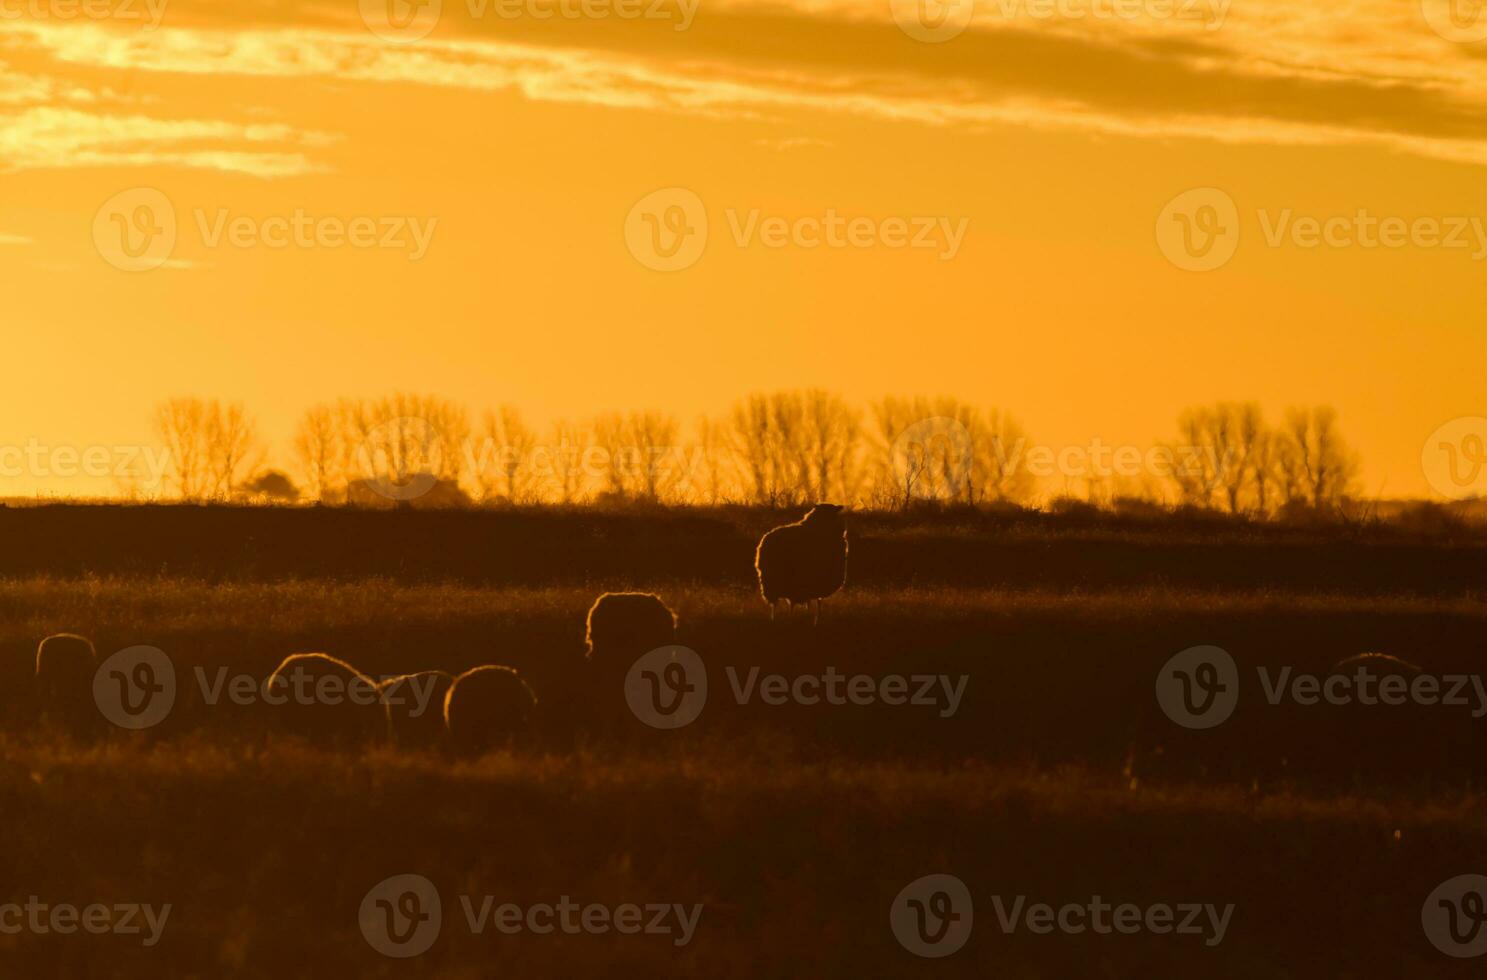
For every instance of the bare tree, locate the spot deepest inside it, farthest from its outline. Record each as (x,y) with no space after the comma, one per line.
(710,469)
(611,447)
(651,438)
(1000,448)
(395,442)
(1324,470)
(754,440)
(233,448)
(560,464)
(210,445)
(1196,458)
(830,434)
(181,425)
(936,449)
(504,469)
(317,450)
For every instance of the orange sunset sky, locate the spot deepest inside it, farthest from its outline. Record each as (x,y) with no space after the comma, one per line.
(1053,134)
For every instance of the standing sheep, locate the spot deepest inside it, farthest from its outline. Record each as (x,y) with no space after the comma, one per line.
(415,707)
(486,707)
(805,561)
(319,697)
(65,664)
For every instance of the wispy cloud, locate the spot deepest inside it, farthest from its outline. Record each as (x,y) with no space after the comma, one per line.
(40,137)
(1363,73)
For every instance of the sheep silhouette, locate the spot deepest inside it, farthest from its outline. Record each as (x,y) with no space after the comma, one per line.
(805,561)
(414,704)
(487,707)
(65,665)
(322,698)
(1389,737)
(621,627)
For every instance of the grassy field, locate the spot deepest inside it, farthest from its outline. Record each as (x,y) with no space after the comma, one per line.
(793,826)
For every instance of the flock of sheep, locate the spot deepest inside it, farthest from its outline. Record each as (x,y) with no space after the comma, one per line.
(803,562)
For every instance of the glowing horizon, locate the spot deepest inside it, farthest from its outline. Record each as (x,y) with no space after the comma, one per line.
(678,204)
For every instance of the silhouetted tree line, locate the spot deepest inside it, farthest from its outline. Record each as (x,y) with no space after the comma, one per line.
(779,449)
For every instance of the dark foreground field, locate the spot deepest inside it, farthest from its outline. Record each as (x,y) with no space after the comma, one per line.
(794,827)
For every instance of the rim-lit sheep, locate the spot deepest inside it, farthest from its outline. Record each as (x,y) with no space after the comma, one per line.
(65,664)
(621,627)
(805,561)
(487,707)
(319,697)
(414,705)
(1375,730)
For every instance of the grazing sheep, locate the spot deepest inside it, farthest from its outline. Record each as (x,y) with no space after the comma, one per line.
(1381,741)
(486,707)
(316,696)
(805,561)
(623,625)
(65,664)
(415,707)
